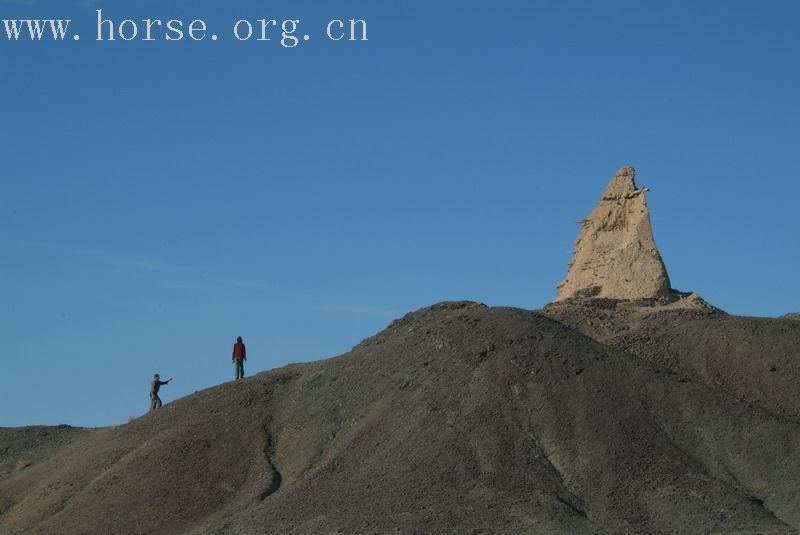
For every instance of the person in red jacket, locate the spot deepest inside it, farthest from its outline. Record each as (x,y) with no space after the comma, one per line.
(238,358)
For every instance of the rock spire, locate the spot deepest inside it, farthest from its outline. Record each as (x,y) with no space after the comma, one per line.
(615,254)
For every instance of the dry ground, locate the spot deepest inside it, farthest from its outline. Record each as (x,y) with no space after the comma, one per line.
(458,418)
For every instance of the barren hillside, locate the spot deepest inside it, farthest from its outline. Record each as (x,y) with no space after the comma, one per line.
(458,418)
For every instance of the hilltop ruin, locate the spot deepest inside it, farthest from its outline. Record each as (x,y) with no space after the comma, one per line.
(615,254)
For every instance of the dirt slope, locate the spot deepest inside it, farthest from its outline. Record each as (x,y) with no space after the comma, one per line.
(753,359)
(457,418)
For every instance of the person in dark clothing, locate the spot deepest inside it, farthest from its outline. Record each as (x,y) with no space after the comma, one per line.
(238,358)
(155,401)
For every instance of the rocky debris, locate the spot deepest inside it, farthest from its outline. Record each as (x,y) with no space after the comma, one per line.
(737,355)
(22,464)
(615,254)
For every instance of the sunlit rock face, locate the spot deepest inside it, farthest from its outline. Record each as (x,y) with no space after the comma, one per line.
(615,254)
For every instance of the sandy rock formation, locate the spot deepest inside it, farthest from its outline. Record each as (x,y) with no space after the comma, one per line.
(615,254)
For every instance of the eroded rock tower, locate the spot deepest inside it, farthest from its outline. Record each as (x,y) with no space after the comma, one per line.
(615,254)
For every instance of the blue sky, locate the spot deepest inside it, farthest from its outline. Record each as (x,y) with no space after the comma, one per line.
(159,199)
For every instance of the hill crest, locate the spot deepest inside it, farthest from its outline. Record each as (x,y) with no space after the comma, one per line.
(457,418)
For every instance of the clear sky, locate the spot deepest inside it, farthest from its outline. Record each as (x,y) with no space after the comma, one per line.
(158,199)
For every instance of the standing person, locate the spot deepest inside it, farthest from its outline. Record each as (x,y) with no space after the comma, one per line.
(155,401)
(238,358)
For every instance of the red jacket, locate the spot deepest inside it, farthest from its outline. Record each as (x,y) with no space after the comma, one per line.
(239,352)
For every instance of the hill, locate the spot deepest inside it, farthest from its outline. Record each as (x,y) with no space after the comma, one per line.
(586,417)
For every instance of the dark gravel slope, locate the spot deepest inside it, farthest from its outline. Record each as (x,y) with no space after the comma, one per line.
(457,418)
